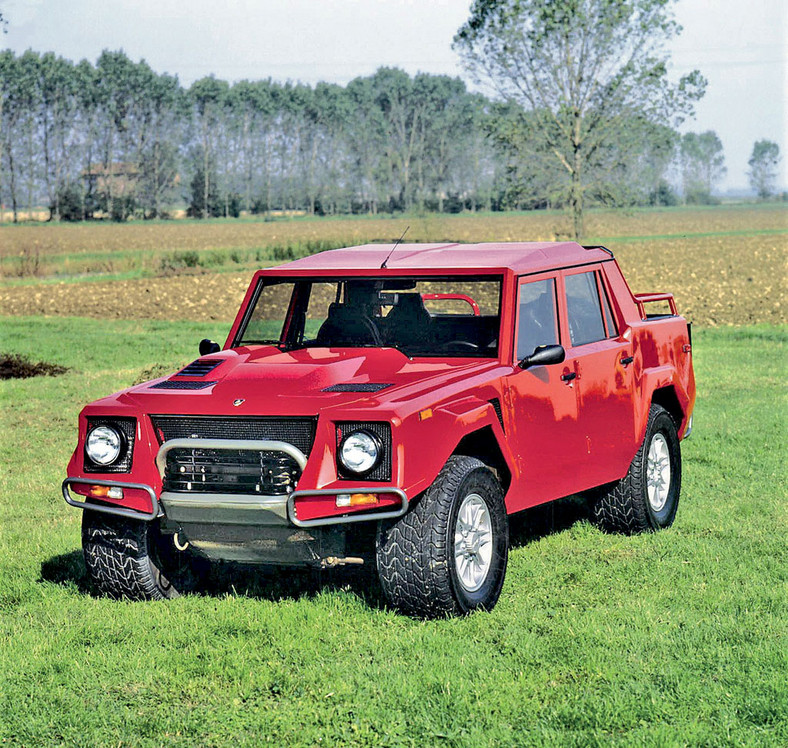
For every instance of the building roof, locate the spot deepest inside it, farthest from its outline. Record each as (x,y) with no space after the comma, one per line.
(520,257)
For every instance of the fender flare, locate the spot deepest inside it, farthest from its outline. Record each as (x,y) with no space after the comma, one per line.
(468,416)
(654,380)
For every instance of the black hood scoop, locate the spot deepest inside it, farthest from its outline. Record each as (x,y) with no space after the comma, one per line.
(359,387)
(174,384)
(200,367)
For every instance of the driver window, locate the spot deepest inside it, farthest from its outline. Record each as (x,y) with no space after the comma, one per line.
(537,317)
(321,296)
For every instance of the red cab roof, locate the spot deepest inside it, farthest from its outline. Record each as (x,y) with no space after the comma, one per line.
(520,257)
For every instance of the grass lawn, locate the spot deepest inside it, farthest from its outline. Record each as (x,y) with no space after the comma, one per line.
(668,639)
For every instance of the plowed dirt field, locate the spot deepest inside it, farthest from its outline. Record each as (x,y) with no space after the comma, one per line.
(729,267)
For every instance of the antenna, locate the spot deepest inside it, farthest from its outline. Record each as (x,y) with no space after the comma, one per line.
(384,264)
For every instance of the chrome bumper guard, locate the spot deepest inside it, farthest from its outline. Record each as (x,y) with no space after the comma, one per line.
(118,511)
(249,445)
(236,508)
(226,508)
(346,518)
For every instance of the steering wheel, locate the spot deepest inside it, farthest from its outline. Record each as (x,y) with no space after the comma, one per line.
(372,328)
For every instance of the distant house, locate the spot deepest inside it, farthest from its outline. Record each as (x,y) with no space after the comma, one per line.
(119,178)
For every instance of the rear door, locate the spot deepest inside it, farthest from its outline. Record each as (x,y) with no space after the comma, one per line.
(542,399)
(601,359)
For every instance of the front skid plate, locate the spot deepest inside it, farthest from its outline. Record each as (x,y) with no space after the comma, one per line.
(282,545)
(225,509)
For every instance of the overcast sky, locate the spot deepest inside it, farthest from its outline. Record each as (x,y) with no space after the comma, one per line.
(741,46)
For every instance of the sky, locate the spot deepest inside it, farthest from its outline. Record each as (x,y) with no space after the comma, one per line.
(740,46)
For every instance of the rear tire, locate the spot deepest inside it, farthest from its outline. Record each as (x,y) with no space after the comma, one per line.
(133,559)
(448,554)
(647,497)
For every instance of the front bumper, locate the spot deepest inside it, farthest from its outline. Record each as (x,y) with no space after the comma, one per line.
(197,512)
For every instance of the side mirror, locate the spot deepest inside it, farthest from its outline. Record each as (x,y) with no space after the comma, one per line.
(208,346)
(544,355)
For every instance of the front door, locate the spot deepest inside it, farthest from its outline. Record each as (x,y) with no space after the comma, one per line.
(601,359)
(542,400)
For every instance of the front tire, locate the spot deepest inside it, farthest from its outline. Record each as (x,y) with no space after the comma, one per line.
(647,497)
(448,554)
(132,559)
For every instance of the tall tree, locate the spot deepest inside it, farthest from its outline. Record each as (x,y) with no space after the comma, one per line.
(208,96)
(367,145)
(164,113)
(7,73)
(589,71)
(702,165)
(56,121)
(763,167)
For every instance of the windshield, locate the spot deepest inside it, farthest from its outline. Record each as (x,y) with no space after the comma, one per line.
(420,316)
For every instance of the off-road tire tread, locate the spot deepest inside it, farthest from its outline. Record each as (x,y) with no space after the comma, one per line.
(116,556)
(620,507)
(412,558)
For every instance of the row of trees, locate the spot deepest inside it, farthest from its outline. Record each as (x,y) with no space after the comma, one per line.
(119,138)
(116,138)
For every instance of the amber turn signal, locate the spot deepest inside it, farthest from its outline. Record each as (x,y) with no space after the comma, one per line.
(356,499)
(106,492)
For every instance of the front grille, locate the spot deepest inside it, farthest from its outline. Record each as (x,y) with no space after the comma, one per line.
(382,430)
(300,432)
(169,384)
(127,428)
(200,368)
(230,471)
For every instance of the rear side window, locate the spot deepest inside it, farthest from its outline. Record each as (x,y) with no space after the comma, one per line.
(584,313)
(612,331)
(537,324)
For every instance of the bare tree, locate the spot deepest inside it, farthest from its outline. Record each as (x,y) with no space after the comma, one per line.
(589,71)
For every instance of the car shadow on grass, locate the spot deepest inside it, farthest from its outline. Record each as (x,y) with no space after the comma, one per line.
(547,519)
(68,570)
(287,583)
(263,582)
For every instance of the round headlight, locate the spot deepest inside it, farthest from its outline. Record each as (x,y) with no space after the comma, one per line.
(360,451)
(103,445)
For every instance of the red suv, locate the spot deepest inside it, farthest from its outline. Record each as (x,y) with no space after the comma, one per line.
(393,407)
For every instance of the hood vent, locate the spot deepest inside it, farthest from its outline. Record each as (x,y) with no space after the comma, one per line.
(174,384)
(360,387)
(200,367)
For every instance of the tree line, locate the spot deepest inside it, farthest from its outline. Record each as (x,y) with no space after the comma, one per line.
(117,139)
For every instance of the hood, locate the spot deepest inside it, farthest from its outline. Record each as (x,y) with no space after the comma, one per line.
(300,382)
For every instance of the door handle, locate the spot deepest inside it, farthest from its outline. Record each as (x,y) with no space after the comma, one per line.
(627,360)
(569,376)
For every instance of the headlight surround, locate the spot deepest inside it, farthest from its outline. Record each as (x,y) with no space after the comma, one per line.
(360,451)
(104,445)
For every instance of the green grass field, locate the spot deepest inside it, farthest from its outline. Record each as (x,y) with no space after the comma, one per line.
(678,638)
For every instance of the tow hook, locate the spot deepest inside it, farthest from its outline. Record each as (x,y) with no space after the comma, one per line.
(331,561)
(180,545)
